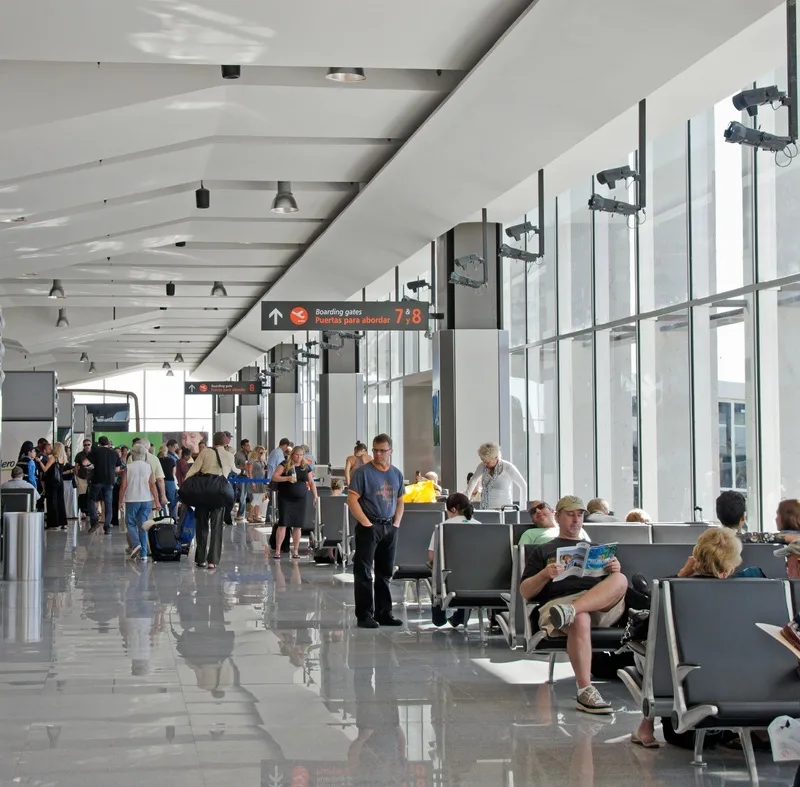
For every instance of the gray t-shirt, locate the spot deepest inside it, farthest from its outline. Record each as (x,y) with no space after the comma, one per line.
(377,490)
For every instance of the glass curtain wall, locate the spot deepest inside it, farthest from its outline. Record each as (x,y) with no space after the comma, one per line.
(654,363)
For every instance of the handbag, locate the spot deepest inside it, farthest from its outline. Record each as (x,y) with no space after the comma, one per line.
(207,490)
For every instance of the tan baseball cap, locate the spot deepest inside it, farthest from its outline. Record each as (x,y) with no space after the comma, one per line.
(792,549)
(570,503)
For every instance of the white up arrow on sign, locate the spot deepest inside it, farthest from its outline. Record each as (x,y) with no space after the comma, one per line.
(274,315)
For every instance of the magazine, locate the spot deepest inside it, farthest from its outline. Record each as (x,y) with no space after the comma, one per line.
(584,560)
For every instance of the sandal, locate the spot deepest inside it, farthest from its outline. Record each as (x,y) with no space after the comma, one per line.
(210,566)
(201,565)
(635,739)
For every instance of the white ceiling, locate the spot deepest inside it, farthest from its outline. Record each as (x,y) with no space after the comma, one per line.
(113,112)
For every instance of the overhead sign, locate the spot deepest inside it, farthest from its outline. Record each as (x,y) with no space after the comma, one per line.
(243,388)
(344,315)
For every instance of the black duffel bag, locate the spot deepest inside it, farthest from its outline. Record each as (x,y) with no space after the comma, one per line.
(207,490)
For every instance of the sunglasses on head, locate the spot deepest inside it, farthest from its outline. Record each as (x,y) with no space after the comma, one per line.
(540,507)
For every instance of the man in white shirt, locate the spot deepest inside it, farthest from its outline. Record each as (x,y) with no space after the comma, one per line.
(18,482)
(158,471)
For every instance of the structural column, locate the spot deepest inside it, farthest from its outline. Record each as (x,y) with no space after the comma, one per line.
(340,413)
(248,410)
(285,414)
(471,397)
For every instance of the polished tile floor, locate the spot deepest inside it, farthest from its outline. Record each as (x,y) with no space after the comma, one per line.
(121,673)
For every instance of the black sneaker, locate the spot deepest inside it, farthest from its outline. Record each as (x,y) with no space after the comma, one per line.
(389,620)
(368,623)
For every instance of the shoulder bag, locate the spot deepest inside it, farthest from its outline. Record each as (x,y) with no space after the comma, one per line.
(207,490)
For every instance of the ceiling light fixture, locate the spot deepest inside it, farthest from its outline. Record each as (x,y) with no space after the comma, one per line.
(218,290)
(84,358)
(178,358)
(284,201)
(231,72)
(346,75)
(170,373)
(170,288)
(180,244)
(62,321)
(165,365)
(92,368)
(202,197)
(56,291)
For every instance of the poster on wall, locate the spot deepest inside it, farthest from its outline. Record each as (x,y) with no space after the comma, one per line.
(436,422)
(15,433)
(190,440)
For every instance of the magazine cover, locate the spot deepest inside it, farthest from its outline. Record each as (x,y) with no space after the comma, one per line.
(584,560)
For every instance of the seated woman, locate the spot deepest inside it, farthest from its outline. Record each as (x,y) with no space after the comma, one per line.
(638,515)
(716,555)
(431,476)
(459,509)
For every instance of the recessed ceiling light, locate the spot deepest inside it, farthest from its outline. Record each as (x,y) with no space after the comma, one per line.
(346,74)
(28,275)
(19,220)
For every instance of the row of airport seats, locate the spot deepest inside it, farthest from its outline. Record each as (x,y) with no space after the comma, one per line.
(707,664)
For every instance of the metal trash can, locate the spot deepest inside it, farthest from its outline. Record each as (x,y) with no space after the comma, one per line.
(21,610)
(23,541)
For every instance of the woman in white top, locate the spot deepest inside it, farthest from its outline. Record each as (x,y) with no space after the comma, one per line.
(496,477)
(458,509)
(138,491)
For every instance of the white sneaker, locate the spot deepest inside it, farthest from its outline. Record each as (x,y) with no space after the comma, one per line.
(133,551)
(589,700)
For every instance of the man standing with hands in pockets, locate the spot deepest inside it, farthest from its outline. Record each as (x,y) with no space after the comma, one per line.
(375,499)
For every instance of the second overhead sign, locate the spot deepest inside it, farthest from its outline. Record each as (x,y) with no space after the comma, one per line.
(344,315)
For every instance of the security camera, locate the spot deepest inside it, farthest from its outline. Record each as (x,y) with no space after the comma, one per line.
(751,100)
(517,254)
(307,354)
(466,281)
(609,177)
(518,230)
(170,288)
(742,135)
(416,286)
(605,205)
(356,337)
(468,261)
(436,315)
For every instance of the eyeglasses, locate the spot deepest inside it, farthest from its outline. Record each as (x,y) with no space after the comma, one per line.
(381,450)
(540,507)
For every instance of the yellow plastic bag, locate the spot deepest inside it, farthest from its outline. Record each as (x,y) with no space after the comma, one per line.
(421,492)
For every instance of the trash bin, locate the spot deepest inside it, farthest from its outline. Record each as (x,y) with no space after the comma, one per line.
(23,542)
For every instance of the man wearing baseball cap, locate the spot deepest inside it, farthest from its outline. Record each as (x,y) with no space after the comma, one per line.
(792,554)
(573,605)
(545,527)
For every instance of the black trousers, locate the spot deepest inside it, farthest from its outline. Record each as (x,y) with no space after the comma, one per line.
(208,532)
(374,545)
(56,506)
(115,506)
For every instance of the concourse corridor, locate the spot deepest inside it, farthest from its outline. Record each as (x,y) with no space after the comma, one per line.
(114,672)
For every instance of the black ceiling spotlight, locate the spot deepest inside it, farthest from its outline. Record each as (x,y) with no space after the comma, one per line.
(170,288)
(84,357)
(218,290)
(92,368)
(181,243)
(62,321)
(231,72)
(202,197)
(346,75)
(178,358)
(56,291)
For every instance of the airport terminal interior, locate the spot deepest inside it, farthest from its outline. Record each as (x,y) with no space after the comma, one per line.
(469,276)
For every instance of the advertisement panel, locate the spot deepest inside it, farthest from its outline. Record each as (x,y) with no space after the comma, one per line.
(15,433)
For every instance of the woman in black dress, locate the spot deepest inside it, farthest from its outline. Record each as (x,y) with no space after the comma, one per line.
(55,459)
(295,481)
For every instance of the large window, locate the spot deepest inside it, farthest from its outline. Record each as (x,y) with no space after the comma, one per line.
(660,356)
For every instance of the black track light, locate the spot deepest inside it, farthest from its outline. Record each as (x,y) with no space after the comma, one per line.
(179,358)
(231,72)
(202,197)
(180,244)
(170,288)
(218,290)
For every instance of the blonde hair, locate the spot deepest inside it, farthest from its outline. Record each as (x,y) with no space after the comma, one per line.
(597,506)
(162,451)
(488,451)
(335,484)
(717,552)
(256,453)
(298,449)
(638,515)
(59,453)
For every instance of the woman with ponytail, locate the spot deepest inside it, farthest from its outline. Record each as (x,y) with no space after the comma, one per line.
(459,508)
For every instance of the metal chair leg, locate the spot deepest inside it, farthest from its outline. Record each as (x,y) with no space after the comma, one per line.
(481,626)
(419,597)
(551,668)
(699,740)
(749,754)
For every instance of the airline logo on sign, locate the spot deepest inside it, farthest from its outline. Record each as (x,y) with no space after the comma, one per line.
(345,316)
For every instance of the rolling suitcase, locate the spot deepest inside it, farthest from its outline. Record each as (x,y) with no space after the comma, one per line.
(162,541)
(186,530)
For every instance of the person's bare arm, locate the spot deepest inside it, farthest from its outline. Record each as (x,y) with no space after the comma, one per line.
(123,485)
(356,510)
(533,586)
(347,467)
(153,490)
(279,476)
(313,487)
(474,481)
(398,512)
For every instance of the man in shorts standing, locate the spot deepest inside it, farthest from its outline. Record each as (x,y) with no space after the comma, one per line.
(573,605)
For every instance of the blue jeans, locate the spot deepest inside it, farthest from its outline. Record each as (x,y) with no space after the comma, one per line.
(136,514)
(104,492)
(242,499)
(171,491)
